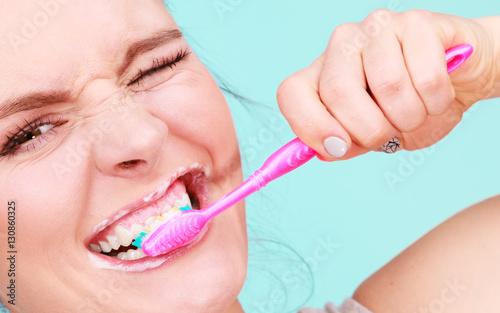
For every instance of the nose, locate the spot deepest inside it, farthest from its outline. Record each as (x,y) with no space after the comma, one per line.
(131,143)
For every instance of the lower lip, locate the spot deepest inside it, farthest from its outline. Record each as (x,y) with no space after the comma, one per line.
(147,263)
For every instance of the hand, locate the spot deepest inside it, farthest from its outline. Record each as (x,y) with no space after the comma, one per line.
(384,78)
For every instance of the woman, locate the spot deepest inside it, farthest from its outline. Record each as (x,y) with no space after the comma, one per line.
(108,118)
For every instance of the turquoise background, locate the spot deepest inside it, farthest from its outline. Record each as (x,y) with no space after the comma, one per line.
(344,219)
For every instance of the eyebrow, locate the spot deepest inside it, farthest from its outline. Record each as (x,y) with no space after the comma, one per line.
(39,99)
(33,101)
(159,38)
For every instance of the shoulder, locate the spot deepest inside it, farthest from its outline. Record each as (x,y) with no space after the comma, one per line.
(459,252)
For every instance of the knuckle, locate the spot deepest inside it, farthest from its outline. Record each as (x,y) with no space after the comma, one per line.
(374,138)
(376,14)
(286,90)
(342,32)
(376,22)
(428,82)
(412,20)
(434,87)
(418,15)
(431,81)
(332,89)
(440,105)
(412,121)
(386,84)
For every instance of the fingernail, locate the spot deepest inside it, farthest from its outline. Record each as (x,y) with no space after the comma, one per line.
(335,146)
(391,146)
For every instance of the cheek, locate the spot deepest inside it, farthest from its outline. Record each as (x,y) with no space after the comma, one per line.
(47,194)
(195,109)
(39,195)
(46,219)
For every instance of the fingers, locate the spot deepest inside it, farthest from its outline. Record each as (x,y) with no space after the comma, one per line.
(343,92)
(357,97)
(300,104)
(435,128)
(425,61)
(391,85)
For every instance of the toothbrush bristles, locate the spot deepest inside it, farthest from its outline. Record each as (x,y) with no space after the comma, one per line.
(147,230)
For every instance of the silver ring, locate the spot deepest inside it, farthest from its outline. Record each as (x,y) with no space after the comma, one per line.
(391,146)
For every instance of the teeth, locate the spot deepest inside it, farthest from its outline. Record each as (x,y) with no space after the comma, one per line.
(170,214)
(178,203)
(136,230)
(134,254)
(96,248)
(150,220)
(113,242)
(166,209)
(124,236)
(105,247)
(157,222)
(186,200)
(141,254)
(130,254)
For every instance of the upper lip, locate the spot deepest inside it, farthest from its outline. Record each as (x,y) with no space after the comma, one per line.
(147,199)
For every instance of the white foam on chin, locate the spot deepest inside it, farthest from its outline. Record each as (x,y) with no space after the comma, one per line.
(145,265)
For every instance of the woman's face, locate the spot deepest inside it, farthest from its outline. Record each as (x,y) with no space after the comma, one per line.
(107,118)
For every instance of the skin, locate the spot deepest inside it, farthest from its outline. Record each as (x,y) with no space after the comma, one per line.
(411,96)
(150,124)
(454,268)
(148,134)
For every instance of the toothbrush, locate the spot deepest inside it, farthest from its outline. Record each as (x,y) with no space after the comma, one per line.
(187,225)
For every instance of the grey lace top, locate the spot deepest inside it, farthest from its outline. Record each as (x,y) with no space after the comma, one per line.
(349,306)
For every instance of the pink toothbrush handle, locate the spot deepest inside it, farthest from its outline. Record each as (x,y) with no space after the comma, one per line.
(457,55)
(286,159)
(180,231)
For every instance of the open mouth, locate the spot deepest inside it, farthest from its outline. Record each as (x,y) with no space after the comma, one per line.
(116,240)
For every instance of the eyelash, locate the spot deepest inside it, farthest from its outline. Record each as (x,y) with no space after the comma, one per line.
(13,146)
(158,65)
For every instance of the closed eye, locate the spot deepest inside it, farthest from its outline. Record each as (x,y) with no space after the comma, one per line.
(158,65)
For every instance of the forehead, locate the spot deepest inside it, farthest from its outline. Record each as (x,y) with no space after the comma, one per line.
(48,41)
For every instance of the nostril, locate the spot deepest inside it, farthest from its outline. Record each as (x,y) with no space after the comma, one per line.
(129,164)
